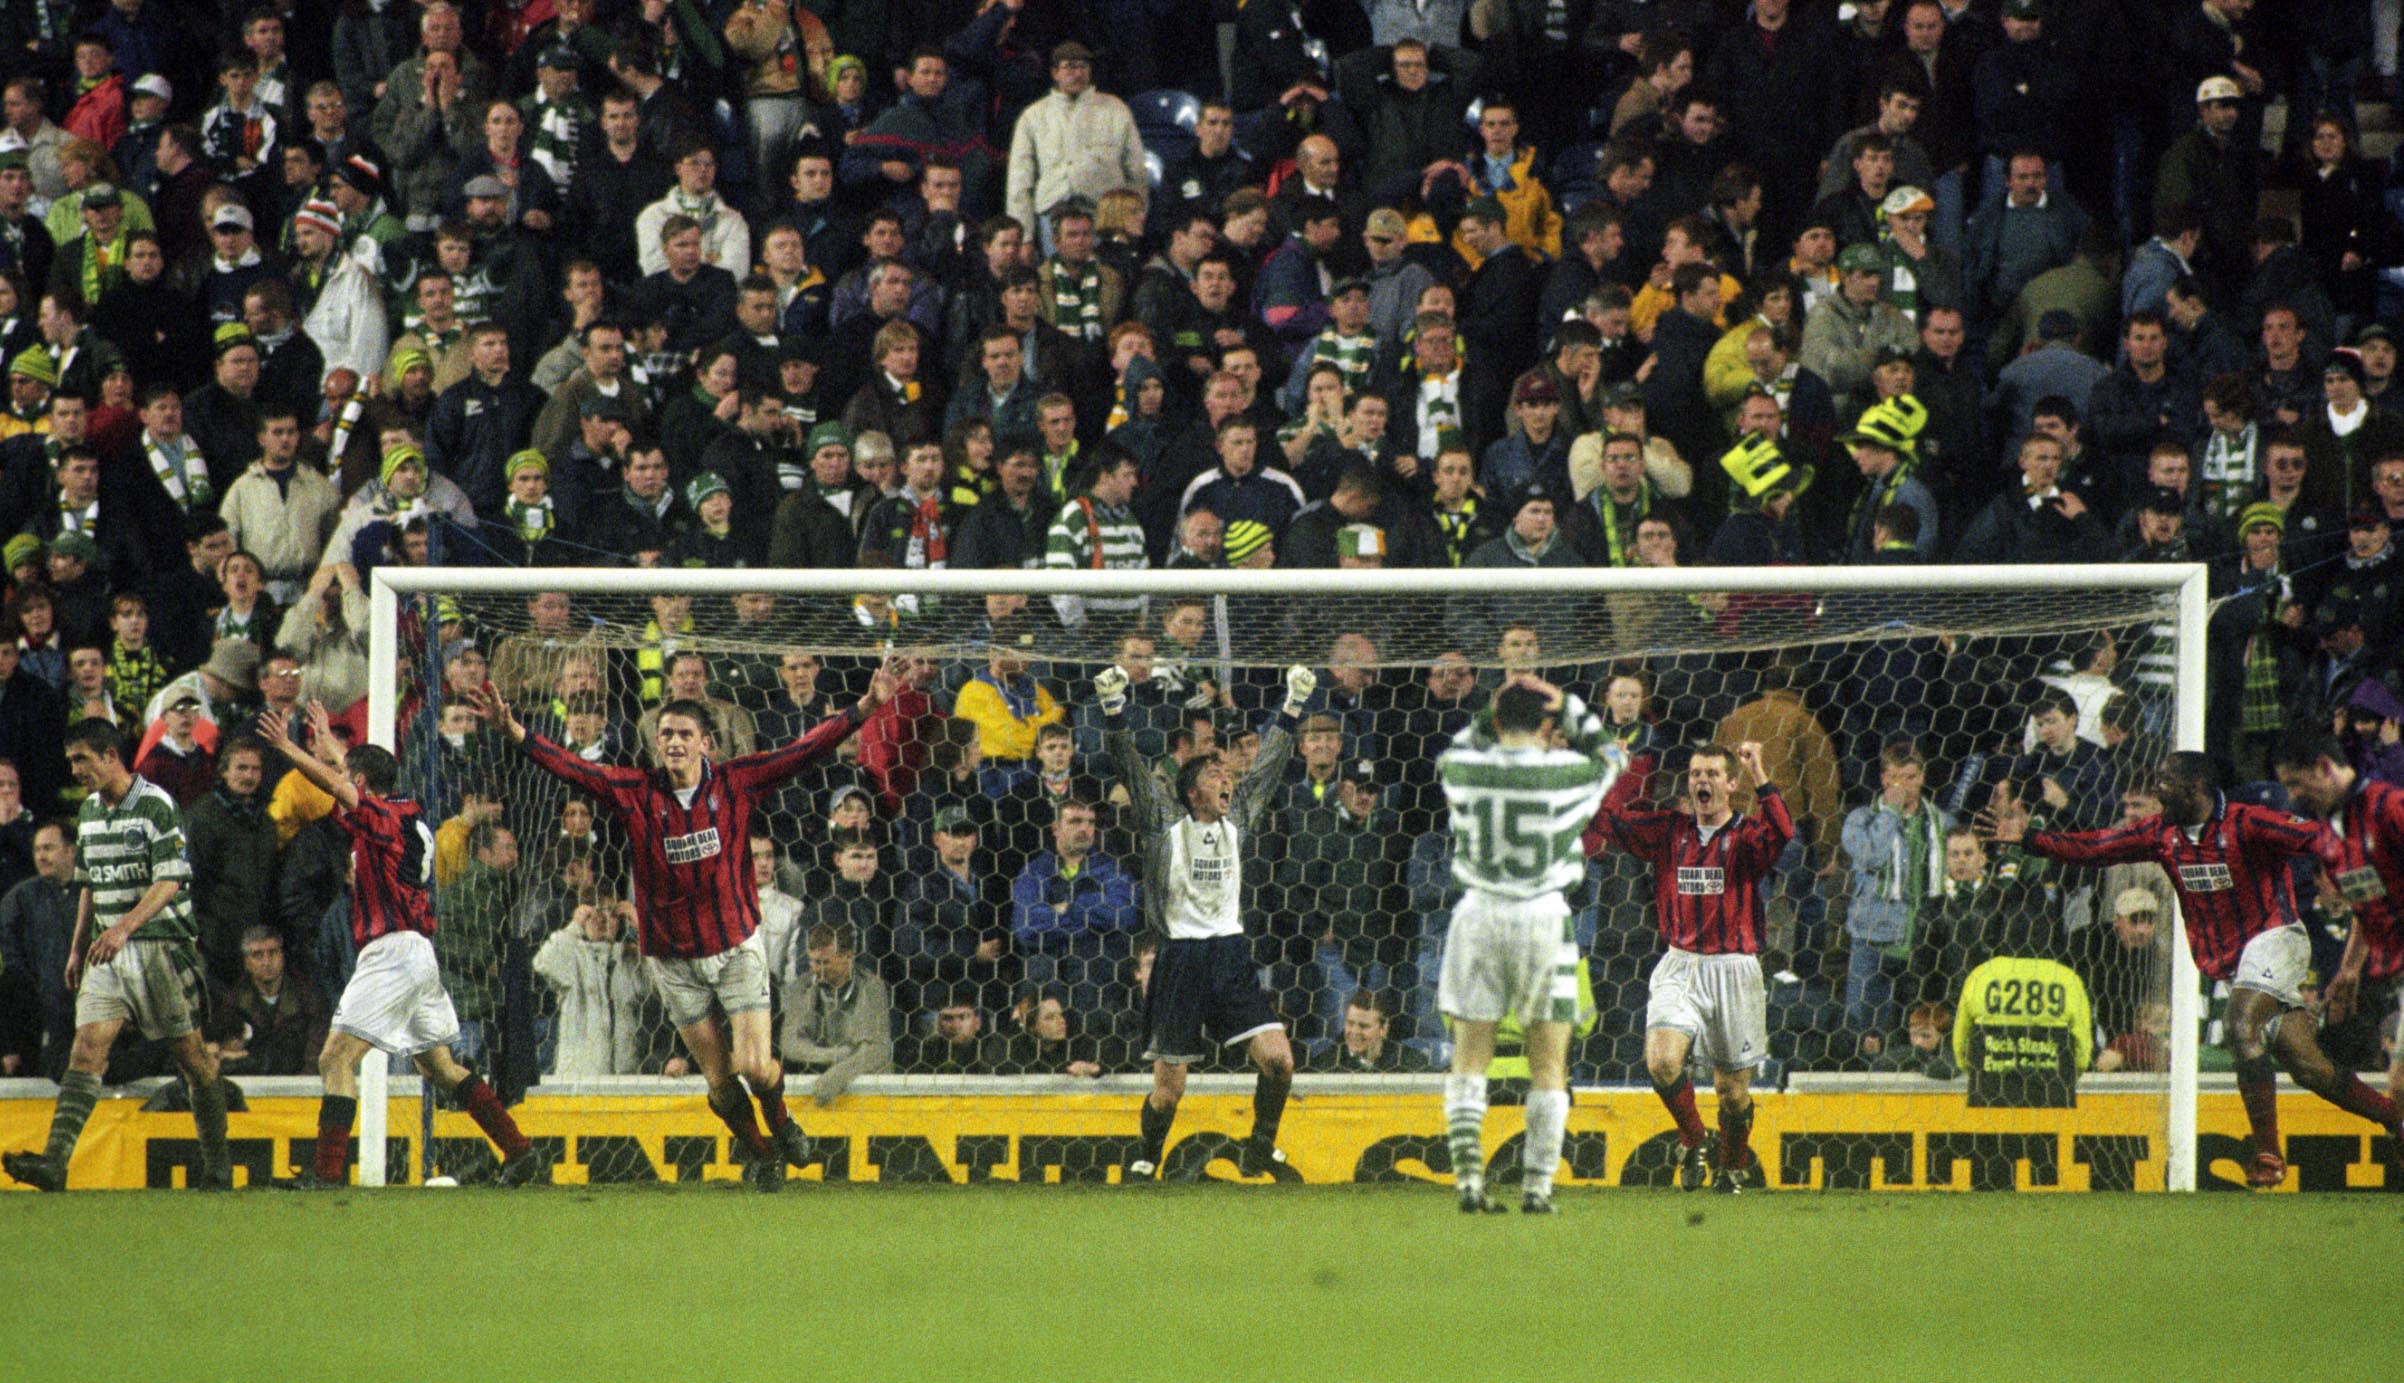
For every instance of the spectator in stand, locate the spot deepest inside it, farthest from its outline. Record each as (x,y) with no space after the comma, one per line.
(37,931)
(838,1022)
(233,849)
(601,990)
(1896,847)
(178,762)
(269,1022)
(1075,142)
(1073,910)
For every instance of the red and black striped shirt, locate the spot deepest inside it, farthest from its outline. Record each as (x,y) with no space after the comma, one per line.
(2232,876)
(693,893)
(392,867)
(2363,852)
(1707,889)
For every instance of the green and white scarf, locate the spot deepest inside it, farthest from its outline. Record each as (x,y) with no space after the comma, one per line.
(2229,472)
(230,625)
(184,474)
(1077,299)
(532,522)
(1351,354)
(83,518)
(558,129)
(703,209)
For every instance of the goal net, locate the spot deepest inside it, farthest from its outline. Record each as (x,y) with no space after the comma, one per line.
(952,900)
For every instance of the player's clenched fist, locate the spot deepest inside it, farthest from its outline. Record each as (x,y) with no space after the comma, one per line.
(1300,682)
(1110,688)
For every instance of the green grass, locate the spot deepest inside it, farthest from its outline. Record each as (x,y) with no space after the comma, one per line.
(1190,1283)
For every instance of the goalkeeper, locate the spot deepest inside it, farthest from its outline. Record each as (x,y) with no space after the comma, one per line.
(1204,983)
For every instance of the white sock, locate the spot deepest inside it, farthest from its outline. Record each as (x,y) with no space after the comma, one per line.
(1548,1116)
(1464,1121)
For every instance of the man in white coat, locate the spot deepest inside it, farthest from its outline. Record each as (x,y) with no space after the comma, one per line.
(1075,142)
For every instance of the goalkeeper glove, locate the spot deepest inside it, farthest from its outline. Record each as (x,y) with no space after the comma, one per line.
(1300,682)
(1110,687)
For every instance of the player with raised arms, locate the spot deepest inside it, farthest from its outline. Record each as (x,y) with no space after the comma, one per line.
(134,956)
(2228,863)
(395,1001)
(1205,986)
(688,833)
(1706,990)
(1517,803)
(2362,854)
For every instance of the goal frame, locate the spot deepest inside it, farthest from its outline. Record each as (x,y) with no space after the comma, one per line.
(389,585)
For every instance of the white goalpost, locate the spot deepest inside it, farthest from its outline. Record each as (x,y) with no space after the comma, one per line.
(1702,634)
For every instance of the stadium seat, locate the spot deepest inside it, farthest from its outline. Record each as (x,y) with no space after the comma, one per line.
(1165,121)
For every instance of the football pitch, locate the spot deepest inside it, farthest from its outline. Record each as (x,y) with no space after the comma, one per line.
(1204,1283)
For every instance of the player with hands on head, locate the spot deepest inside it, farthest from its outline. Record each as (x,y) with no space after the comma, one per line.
(2228,864)
(1706,993)
(1205,985)
(395,1001)
(688,831)
(1517,802)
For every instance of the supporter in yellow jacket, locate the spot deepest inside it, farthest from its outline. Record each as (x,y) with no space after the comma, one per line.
(1008,707)
(1683,241)
(1506,171)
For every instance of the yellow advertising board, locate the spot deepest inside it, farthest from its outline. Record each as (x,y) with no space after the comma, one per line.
(1616,1138)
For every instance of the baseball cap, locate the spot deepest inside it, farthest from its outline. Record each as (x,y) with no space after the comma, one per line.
(183,701)
(1359,771)
(2217,89)
(485,185)
(1386,223)
(231,214)
(1906,200)
(2023,9)
(828,434)
(76,545)
(102,194)
(2366,518)
(559,57)
(13,158)
(152,84)
(954,821)
(2134,900)
(2376,331)
(1625,394)
(1861,259)
(1486,209)
(1344,286)
(1535,388)
(229,335)
(1071,51)
(2164,500)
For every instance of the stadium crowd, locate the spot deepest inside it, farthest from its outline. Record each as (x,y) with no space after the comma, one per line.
(289,292)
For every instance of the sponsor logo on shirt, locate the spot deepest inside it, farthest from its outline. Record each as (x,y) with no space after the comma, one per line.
(700,845)
(1699,882)
(2205,878)
(2361,885)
